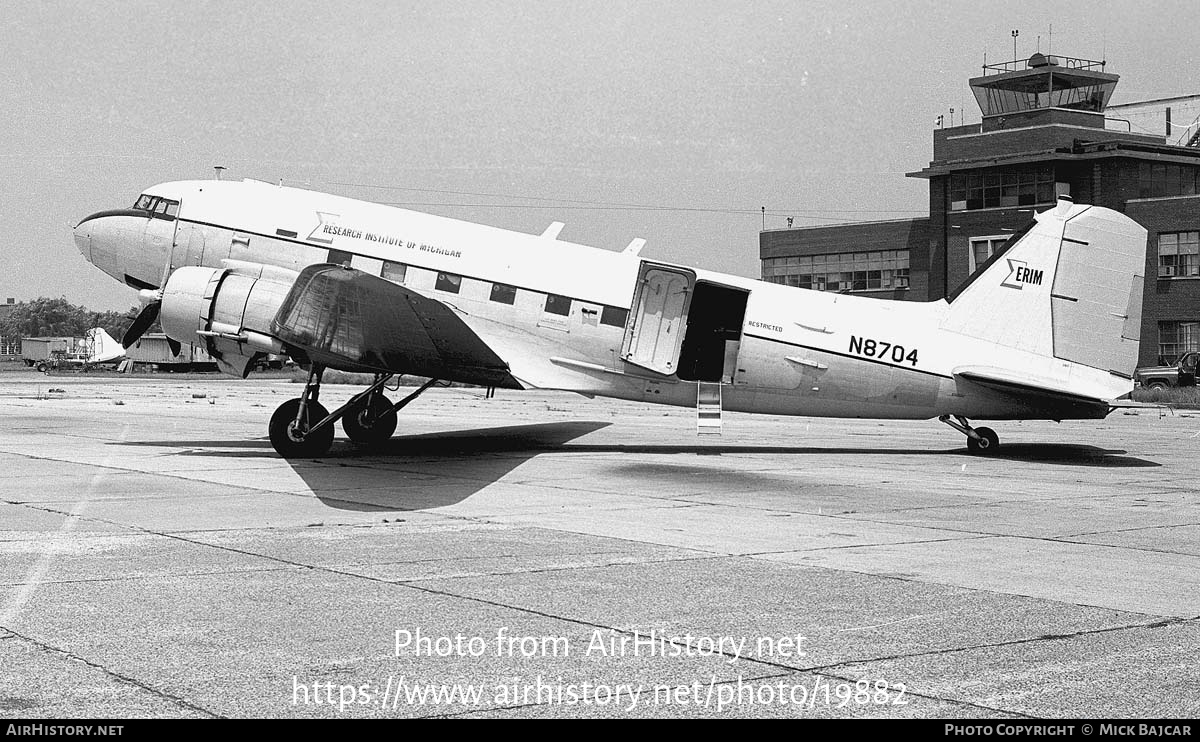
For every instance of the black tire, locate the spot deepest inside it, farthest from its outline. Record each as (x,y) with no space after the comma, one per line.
(987,443)
(42,367)
(291,443)
(373,425)
(1157,385)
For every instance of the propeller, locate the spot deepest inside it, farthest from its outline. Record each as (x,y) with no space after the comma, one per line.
(152,299)
(144,319)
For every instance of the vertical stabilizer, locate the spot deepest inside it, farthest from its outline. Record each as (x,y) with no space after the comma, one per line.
(104,347)
(1068,287)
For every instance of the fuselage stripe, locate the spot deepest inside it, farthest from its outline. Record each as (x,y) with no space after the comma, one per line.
(401,262)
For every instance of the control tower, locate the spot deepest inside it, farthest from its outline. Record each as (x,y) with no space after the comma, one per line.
(1047,130)
(1043,90)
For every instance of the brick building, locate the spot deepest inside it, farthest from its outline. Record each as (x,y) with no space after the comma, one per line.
(10,348)
(1044,132)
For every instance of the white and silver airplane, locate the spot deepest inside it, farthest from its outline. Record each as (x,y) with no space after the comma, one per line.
(1046,330)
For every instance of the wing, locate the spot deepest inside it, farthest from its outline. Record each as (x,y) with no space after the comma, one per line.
(349,320)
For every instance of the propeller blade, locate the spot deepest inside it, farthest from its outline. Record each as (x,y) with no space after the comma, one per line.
(175,346)
(144,319)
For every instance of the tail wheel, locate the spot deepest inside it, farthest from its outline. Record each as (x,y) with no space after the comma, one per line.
(987,443)
(370,422)
(292,440)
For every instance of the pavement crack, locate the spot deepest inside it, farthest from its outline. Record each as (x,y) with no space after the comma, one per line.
(995,645)
(178,700)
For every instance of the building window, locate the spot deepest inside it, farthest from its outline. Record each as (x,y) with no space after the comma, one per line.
(861,271)
(556,304)
(1175,339)
(1009,187)
(503,294)
(448,282)
(1179,255)
(394,272)
(983,248)
(1159,179)
(10,347)
(337,257)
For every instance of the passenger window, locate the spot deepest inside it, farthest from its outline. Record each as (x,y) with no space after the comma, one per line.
(448,282)
(503,294)
(556,304)
(614,316)
(394,272)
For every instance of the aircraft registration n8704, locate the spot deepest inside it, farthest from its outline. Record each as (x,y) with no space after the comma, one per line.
(1047,329)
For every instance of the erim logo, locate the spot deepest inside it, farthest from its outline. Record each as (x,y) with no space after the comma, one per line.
(1020,274)
(323,218)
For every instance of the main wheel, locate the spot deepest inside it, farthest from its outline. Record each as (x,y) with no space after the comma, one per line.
(372,422)
(292,441)
(987,443)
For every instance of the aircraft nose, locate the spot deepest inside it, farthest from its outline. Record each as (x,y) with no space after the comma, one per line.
(112,241)
(83,239)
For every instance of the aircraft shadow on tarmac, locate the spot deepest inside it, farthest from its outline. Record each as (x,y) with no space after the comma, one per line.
(431,470)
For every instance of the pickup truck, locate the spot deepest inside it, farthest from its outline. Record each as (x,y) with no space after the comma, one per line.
(1183,373)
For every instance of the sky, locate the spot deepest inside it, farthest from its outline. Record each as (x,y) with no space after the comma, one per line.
(671,121)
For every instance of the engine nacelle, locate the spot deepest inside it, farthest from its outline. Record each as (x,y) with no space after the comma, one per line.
(228,310)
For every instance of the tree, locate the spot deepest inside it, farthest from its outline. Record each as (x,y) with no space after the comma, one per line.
(46,317)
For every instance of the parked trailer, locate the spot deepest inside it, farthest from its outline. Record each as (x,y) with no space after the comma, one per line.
(36,351)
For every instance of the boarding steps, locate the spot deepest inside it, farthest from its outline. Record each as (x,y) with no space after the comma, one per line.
(708,408)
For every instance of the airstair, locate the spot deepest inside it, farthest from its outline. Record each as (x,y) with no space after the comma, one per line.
(708,408)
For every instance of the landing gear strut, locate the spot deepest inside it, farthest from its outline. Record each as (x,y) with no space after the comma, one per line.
(982,441)
(296,429)
(302,427)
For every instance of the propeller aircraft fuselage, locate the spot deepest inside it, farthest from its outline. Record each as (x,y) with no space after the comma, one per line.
(1047,329)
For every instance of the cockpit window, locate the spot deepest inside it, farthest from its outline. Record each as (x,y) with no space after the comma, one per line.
(159,208)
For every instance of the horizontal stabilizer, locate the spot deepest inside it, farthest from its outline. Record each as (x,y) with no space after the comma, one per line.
(1034,389)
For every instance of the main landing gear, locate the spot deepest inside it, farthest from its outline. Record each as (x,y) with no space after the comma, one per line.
(303,427)
(982,441)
